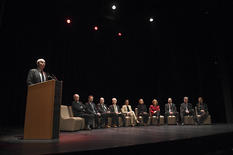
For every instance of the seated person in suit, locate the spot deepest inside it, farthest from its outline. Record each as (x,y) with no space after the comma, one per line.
(105,112)
(202,110)
(155,110)
(37,75)
(186,109)
(127,110)
(91,109)
(170,110)
(142,111)
(115,109)
(79,110)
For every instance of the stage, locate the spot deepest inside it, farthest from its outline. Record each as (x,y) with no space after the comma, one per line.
(137,140)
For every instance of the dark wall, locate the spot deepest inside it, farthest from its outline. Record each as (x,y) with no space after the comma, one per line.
(175,56)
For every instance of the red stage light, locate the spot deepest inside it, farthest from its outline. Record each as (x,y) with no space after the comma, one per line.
(96,28)
(68,21)
(119,34)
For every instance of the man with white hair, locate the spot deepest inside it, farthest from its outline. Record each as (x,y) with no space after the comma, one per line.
(114,108)
(105,112)
(37,75)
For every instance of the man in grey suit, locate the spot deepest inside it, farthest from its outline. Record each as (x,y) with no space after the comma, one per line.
(37,75)
(114,108)
(170,110)
(186,108)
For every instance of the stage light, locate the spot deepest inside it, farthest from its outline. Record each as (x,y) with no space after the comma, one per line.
(119,34)
(68,21)
(151,19)
(114,7)
(96,28)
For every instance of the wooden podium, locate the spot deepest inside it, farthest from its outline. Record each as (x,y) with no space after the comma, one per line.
(43,110)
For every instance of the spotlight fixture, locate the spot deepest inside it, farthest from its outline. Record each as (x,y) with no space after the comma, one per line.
(68,21)
(114,7)
(151,19)
(96,28)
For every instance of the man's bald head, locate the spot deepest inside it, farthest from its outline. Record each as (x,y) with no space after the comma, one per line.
(101,100)
(76,97)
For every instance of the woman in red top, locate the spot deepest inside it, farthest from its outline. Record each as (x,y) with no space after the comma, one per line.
(155,110)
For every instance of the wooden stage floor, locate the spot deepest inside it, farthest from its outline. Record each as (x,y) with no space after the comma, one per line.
(124,139)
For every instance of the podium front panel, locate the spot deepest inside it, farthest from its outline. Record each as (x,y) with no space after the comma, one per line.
(42,111)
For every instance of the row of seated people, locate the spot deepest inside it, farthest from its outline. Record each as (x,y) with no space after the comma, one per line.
(100,113)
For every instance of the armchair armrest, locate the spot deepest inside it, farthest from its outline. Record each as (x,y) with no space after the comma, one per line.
(136,112)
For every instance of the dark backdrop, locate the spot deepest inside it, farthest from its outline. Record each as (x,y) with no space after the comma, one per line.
(177,55)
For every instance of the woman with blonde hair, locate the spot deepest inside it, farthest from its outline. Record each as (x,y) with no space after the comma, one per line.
(155,110)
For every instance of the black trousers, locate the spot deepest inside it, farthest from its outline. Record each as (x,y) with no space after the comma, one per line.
(167,114)
(145,117)
(88,118)
(191,113)
(104,118)
(203,117)
(157,114)
(123,119)
(97,122)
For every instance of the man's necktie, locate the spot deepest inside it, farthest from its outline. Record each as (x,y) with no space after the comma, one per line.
(42,76)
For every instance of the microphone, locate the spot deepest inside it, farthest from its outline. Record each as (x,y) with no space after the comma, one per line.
(54,77)
(51,76)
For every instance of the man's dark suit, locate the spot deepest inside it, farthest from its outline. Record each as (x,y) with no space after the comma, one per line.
(34,77)
(91,109)
(79,110)
(173,109)
(183,111)
(103,109)
(142,111)
(201,106)
(111,108)
(204,115)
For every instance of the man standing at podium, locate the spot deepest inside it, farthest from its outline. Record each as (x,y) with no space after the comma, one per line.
(37,75)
